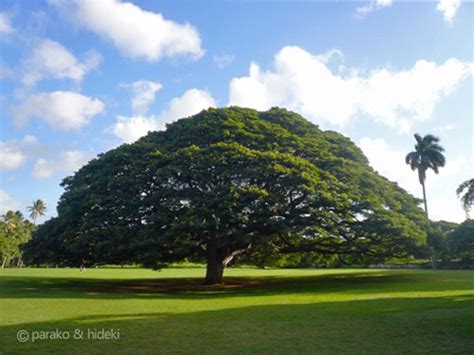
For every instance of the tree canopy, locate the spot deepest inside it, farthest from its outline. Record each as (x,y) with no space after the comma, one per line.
(225,183)
(15,230)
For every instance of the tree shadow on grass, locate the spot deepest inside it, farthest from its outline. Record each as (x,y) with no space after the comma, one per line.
(192,288)
(397,325)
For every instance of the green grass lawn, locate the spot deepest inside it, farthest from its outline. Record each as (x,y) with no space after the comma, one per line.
(264,311)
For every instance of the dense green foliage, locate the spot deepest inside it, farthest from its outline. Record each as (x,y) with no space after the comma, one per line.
(14,231)
(461,242)
(452,243)
(258,312)
(226,183)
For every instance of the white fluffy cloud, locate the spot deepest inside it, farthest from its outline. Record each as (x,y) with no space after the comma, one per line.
(11,158)
(372,6)
(144,92)
(448,8)
(135,32)
(191,102)
(14,153)
(8,203)
(67,162)
(129,129)
(62,110)
(305,83)
(5,25)
(49,59)
(441,195)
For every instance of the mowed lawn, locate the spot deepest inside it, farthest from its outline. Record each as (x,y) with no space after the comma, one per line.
(265,311)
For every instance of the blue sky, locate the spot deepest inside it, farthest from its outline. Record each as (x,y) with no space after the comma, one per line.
(80,77)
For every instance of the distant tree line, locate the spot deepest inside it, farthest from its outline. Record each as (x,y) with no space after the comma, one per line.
(452,243)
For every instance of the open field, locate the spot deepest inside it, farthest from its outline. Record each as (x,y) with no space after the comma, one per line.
(277,311)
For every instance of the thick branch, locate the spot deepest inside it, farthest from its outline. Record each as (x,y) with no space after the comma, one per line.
(235,253)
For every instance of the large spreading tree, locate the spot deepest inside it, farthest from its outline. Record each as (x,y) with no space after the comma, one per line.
(226,183)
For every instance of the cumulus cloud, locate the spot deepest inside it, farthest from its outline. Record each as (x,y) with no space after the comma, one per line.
(14,153)
(49,59)
(62,110)
(8,203)
(11,158)
(135,32)
(191,102)
(5,24)
(129,129)
(304,83)
(67,162)
(448,8)
(223,60)
(144,92)
(373,6)
(442,200)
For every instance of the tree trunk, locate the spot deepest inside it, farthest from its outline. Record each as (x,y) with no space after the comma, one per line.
(434,254)
(214,272)
(6,260)
(424,199)
(215,266)
(434,259)
(216,262)
(19,263)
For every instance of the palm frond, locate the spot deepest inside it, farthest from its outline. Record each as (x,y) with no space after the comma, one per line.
(465,185)
(418,138)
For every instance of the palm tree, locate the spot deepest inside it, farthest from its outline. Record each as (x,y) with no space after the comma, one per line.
(37,209)
(428,154)
(12,224)
(468,198)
